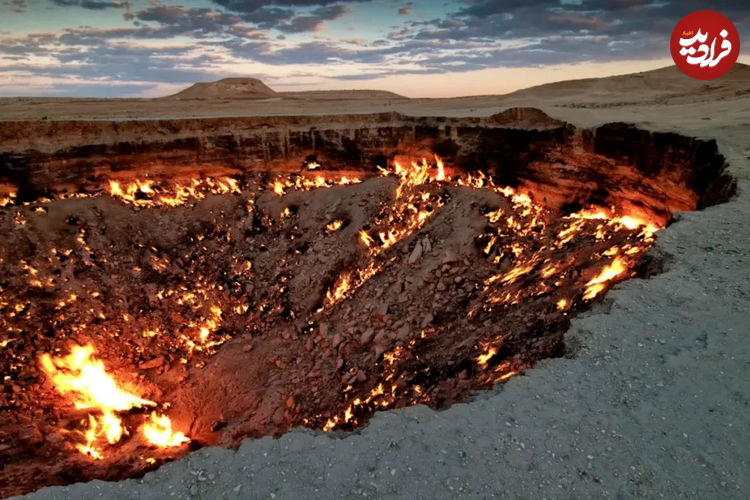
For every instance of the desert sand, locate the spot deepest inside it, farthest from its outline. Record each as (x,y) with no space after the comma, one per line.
(650,400)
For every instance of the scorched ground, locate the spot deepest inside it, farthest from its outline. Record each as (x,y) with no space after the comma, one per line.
(209,309)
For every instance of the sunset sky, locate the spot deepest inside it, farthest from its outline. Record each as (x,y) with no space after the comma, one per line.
(146,48)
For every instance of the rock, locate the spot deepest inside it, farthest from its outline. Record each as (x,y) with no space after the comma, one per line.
(54,438)
(426,246)
(152,363)
(416,254)
(403,332)
(381,309)
(30,435)
(367,336)
(449,257)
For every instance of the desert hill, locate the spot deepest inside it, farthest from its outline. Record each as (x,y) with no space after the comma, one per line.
(335,95)
(228,88)
(667,81)
(252,88)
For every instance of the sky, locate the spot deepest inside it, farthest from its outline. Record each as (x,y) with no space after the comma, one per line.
(417,48)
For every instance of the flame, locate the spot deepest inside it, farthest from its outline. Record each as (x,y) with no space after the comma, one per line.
(441,169)
(334,226)
(282,185)
(482,359)
(149,193)
(84,376)
(85,380)
(158,431)
(610,272)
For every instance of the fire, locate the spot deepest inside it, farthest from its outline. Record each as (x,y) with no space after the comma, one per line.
(482,359)
(150,193)
(441,169)
(85,380)
(84,376)
(610,272)
(158,431)
(334,226)
(282,185)
(532,252)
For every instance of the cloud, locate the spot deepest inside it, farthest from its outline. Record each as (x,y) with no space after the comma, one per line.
(315,20)
(91,4)
(16,5)
(217,36)
(248,6)
(173,20)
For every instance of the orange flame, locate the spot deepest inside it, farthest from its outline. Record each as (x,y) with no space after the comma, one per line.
(598,283)
(159,432)
(83,377)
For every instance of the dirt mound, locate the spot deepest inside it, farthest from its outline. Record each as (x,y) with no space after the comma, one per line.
(228,88)
(524,118)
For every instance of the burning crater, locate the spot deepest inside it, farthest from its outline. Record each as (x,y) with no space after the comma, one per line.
(186,291)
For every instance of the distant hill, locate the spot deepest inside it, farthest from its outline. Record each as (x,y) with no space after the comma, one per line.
(228,88)
(666,81)
(323,95)
(252,88)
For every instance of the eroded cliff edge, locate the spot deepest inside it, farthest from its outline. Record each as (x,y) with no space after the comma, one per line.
(615,164)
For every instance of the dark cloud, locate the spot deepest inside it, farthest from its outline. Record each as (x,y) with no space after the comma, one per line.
(314,21)
(249,6)
(91,4)
(27,45)
(16,5)
(281,14)
(405,11)
(124,63)
(175,20)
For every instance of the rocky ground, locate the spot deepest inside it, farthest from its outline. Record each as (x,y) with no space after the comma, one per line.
(333,302)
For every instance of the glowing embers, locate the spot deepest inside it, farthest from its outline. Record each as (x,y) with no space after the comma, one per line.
(284,184)
(7,198)
(149,193)
(417,197)
(83,378)
(539,253)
